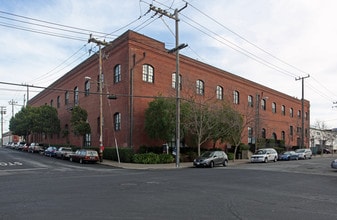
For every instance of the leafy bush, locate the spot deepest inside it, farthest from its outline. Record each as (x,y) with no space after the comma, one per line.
(125,154)
(166,158)
(230,156)
(152,158)
(147,158)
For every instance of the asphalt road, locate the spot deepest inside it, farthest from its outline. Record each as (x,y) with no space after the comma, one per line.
(37,187)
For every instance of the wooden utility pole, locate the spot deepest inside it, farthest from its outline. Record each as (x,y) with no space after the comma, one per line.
(177,83)
(302,113)
(100,84)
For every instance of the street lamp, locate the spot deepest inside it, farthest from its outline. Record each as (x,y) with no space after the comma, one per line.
(100,82)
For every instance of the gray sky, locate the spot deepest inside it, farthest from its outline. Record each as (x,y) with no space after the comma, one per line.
(269,42)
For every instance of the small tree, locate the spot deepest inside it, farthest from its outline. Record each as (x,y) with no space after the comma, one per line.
(78,121)
(160,119)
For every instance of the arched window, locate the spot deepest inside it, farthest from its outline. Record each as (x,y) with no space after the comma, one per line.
(236,97)
(66,98)
(263,104)
(283,136)
(58,102)
(87,140)
(219,92)
(87,88)
(76,95)
(283,110)
(274,136)
(263,133)
(174,81)
(117,121)
(299,114)
(250,101)
(117,73)
(291,112)
(200,87)
(148,73)
(273,107)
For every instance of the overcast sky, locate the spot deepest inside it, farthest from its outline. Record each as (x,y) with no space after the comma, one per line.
(267,41)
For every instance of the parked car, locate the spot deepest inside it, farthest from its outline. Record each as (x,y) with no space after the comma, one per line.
(304,153)
(84,155)
(20,145)
(264,155)
(35,148)
(211,158)
(288,155)
(334,164)
(64,152)
(326,151)
(25,147)
(50,151)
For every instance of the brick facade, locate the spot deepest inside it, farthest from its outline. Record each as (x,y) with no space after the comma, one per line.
(131,51)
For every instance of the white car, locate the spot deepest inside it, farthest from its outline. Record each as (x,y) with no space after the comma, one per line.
(304,153)
(264,155)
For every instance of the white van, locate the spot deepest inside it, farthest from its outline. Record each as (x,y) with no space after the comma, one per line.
(264,155)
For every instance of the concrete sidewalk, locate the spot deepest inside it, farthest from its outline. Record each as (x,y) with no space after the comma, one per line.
(160,166)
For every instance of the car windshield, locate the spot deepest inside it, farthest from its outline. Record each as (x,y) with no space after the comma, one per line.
(207,154)
(300,151)
(260,152)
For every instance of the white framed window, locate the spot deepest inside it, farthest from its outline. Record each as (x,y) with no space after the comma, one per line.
(148,73)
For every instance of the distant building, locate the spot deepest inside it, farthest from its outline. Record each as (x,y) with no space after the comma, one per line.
(138,68)
(323,139)
(8,137)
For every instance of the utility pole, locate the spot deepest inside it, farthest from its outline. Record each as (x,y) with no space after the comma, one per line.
(2,112)
(177,83)
(302,113)
(12,103)
(257,121)
(100,83)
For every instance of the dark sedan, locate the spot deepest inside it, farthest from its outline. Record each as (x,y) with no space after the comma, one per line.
(84,155)
(50,151)
(288,155)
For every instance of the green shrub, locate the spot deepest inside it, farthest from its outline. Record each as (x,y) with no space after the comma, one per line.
(147,158)
(166,158)
(125,154)
(230,156)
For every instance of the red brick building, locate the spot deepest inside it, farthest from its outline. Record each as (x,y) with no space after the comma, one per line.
(137,69)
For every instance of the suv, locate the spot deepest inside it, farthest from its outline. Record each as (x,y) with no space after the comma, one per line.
(304,153)
(264,155)
(211,158)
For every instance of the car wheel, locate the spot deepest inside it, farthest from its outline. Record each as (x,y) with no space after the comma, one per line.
(225,163)
(211,164)
(305,157)
(275,159)
(81,161)
(266,160)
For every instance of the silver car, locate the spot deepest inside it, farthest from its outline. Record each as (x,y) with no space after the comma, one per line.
(211,158)
(334,164)
(304,153)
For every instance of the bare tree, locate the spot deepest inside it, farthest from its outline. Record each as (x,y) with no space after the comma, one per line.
(325,135)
